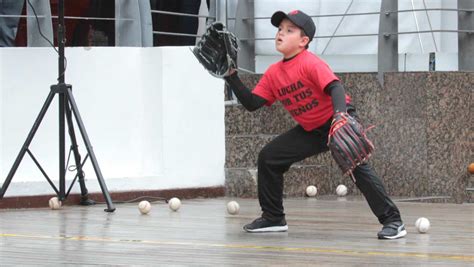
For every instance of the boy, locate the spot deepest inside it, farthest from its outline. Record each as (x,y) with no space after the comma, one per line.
(310,91)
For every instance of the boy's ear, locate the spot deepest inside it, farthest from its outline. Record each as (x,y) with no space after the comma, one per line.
(305,40)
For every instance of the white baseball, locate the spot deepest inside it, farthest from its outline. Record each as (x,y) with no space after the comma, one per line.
(54,203)
(311,191)
(341,190)
(422,225)
(233,207)
(174,204)
(144,207)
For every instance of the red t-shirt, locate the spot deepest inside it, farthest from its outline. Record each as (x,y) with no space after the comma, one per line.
(299,85)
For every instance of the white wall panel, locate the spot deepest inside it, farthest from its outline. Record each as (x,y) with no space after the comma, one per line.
(155,117)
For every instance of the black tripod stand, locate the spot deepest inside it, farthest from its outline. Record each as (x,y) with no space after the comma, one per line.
(67,108)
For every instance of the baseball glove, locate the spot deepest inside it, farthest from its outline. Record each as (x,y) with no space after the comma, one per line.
(348,143)
(217,50)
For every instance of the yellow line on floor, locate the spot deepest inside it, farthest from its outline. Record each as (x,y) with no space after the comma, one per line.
(256,247)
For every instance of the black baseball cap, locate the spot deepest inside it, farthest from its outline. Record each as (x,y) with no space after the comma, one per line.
(299,18)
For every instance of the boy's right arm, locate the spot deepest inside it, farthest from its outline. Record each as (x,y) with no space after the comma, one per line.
(249,100)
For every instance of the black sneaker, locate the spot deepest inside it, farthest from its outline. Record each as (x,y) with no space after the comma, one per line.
(261,225)
(392,230)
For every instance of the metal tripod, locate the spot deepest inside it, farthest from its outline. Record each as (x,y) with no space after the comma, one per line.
(67,108)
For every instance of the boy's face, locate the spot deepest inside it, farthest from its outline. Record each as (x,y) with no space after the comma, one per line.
(289,39)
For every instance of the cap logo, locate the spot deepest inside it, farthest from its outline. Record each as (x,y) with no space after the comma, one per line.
(294,12)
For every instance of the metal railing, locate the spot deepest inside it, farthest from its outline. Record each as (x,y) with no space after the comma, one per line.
(133,22)
(209,18)
(388,33)
(65,17)
(134,27)
(368,13)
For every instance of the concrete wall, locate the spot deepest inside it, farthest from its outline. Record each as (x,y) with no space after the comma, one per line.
(155,117)
(423,136)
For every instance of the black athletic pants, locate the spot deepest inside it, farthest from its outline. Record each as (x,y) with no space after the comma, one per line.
(297,144)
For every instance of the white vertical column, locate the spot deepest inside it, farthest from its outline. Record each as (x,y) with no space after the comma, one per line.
(44,22)
(388,43)
(2,105)
(244,29)
(146,23)
(133,25)
(466,40)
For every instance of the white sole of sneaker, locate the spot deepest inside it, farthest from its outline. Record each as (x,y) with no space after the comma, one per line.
(401,234)
(268,229)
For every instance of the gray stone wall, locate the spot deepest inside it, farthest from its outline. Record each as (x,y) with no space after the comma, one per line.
(423,136)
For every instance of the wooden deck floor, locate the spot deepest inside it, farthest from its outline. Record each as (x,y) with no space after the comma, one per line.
(321,232)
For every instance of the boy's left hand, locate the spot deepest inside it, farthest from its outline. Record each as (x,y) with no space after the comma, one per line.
(217,50)
(348,142)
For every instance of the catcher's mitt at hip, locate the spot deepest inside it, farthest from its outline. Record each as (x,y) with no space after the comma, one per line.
(348,143)
(217,50)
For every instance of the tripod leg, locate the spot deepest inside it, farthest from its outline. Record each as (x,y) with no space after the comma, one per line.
(77,158)
(82,129)
(62,141)
(27,143)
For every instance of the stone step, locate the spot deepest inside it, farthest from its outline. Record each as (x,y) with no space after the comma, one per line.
(419,149)
(242,182)
(268,120)
(242,154)
(470,190)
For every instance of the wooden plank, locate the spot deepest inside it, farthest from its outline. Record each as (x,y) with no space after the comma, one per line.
(321,232)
